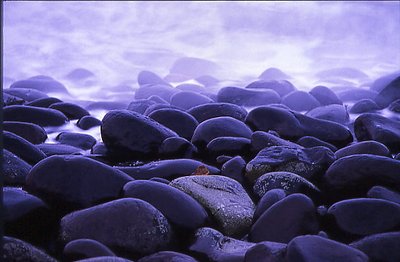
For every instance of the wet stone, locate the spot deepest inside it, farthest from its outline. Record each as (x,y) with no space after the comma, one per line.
(365,147)
(247,97)
(18,250)
(384,193)
(41,116)
(85,248)
(15,169)
(207,111)
(87,122)
(300,101)
(83,141)
(72,111)
(267,200)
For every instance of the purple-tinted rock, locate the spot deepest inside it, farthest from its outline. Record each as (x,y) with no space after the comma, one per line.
(87,122)
(300,101)
(186,100)
(325,96)
(364,147)
(36,115)
(247,97)
(384,193)
(207,111)
(72,111)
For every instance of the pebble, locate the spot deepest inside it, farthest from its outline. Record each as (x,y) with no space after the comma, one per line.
(31,132)
(37,115)
(325,96)
(207,111)
(384,193)
(247,97)
(87,122)
(365,147)
(282,87)
(72,111)
(300,101)
(83,141)
(17,250)
(15,169)
(187,99)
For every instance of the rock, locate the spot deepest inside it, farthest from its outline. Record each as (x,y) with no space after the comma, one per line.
(356,94)
(300,101)
(9,100)
(87,122)
(363,106)
(140,106)
(370,126)
(179,121)
(307,162)
(156,107)
(207,111)
(168,169)
(282,87)
(267,200)
(45,85)
(234,168)
(26,94)
(129,134)
(291,125)
(159,180)
(15,169)
(211,245)
(177,147)
(163,91)
(59,149)
(85,248)
(167,256)
(22,148)
(207,80)
(106,105)
(380,247)
(361,172)
(223,197)
(325,96)
(31,132)
(193,67)
(334,113)
(273,73)
(383,81)
(178,207)
(44,102)
(105,259)
(310,141)
(395,106)
(78,140)
(219,127)
(17,250)
(364,147)
(191,87)
(150,78)
(266,252)
(289,182)
(314,248)
(389,93)
(384,193)
(157,100)
(292,216)
(230,146)
(377,215)
(36,115)
(261,140)
(128,224)
(86,182)
(72,111)
(247,97)
(188,99)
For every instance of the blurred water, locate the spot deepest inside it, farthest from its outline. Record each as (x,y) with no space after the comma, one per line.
(116,40)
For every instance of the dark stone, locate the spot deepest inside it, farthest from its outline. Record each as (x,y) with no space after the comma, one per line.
(179,121)
(187,99)
(292,216)
(282,87)
(334,113)
(207,111)
(310,141)
(87,122)
(315,249)
(267,200)
(26,94)
(163,91)
(127,225)
(168,169)
(261,140)
(9,100)
(156,107)
(15,169)
(383,247)
(365,216)
(266,252)
(159,180)
(230,146)
(22,148)
(389,93)
(383,81)
(384,193)
(289,182)
(307,162)
(104,259)
(46,85)
(15,250)
(292,125)
(150,78)
(223,159)
(363,106)
(361,172)
(395,106)
(177,147)
(224,198)
(83,141)
(300,101)
(36,115)
(85,248)
(356,94)
(325,96)
(370,126)
(219,127)
(167,256)
(273,73)
(72,111)
(211,245)
(59,149)
(178,207)
(72,182)
(44,102)
(365,147)
(130,134)
(234,168)
(157,100)
(247,97)
(140,106)
(106,105)
(31,132)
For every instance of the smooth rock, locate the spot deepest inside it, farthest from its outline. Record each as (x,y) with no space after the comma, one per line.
(31,132)
(230,146)
(44,102)
(247,97)
(261,140)
(17,250)
(300,101)
(163,91)
(273,73)
(356,94)
(384,193)
(234,168)
(267,200)
(87,122)
(41,116)
(364,147)
(46,85)
(59,149)
(188,99)
(177,147)
(335,113)
(150,78)
(282,87)
(310,141)
(72,111)
(83,141)
(207,111)
(22,148)
(85,248)
(325,96)
(167,256)
(389,93)
(364,106)
(27,94)
(140,106)
(15,169)
(266,252)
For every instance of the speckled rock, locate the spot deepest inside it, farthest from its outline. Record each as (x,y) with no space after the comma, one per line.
(15,169)
(223,197)
(15,250)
